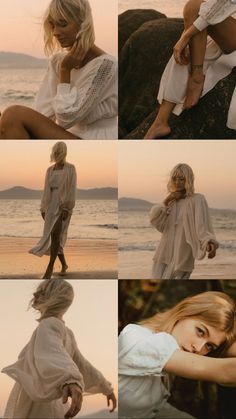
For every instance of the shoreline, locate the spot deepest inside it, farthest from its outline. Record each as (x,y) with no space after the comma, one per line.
(86,258)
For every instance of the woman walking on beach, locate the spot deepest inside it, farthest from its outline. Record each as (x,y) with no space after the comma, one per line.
(78,97)
(198,62)
(175,343)
(186,228)
(57,203)
(51,369)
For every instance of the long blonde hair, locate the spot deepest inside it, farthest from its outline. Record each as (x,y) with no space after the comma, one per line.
(186,171)
(52,297)
(59,152)
(78,11)
(214,308)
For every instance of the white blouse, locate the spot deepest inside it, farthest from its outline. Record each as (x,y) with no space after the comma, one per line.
(87,106)
(50,360)
(143,385)
(214,11)
(186,230)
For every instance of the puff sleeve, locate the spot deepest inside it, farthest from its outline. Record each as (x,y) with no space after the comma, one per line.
(214,11)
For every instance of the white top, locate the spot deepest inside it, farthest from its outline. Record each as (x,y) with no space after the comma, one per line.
(214,11)
(87,106)
(50,360)
(143,385)
(186,228)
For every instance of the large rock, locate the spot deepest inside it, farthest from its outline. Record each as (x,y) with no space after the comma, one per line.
(143,58)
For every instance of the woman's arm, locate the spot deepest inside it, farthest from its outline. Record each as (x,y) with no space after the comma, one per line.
(197,367)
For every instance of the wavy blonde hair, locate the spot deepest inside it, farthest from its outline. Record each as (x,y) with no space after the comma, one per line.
(52,298)
(59,152)
(214,308)
(186,171)
(78,11)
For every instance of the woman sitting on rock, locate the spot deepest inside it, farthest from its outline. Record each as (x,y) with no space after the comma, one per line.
(198,62)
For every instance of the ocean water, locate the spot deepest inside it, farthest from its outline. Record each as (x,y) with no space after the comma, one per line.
(19,86)
(91,219)
(171,8)
(136,234)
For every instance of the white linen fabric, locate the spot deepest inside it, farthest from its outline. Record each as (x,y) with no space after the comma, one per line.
(59,195)
(217,65)
(87,106)
(186,230)
(143,385)
(50,360)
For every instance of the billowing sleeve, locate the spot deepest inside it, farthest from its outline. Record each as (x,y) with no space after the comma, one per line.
(94,381)
(46,192)
(159,217)
(46,365)
(203,224)
(47,90)
(69,203)
(141,354)
(72,104)
(214,11)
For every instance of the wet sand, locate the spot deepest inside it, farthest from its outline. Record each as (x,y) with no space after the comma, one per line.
(87,259)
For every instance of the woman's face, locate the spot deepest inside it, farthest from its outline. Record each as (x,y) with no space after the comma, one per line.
(179,182)
(65,32)
(196,336)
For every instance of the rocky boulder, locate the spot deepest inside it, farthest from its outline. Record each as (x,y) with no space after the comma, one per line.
(146,44)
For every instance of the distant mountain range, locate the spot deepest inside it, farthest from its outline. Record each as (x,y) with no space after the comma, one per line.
(19,192)
(16,60)
(134,204)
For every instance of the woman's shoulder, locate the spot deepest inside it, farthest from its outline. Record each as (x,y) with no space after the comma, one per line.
(142,331)
(70,166)
(52,323)
(198,197)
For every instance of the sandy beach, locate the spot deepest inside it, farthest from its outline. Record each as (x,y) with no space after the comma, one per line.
(137,265)
(87,259)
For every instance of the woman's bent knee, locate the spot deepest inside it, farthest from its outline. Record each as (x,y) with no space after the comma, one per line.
(191,9)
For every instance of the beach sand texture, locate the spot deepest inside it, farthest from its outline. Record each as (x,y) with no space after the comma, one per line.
(87,259)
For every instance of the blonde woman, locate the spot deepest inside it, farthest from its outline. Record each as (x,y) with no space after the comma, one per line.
(51,369)
(57,203)
(78,97)
(186,228)
(175,343)
(198,62)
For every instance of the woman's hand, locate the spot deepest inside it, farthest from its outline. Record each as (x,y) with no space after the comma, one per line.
(64,215)
(73,58)
(211,249)
(174,196)
(111,398)
(75,392)
(181,50)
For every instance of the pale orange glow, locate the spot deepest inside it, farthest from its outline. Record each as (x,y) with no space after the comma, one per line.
(21,29)
(144,168)
(24,163)
(92,317)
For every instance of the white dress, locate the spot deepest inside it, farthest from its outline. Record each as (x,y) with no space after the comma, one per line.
(87,106)
(217,65)
(143,385)
(50,360)
(186,230)
(54,182)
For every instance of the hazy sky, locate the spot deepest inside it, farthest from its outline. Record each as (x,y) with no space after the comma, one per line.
(92,317)
(24,163)
(21,29)
(144,168)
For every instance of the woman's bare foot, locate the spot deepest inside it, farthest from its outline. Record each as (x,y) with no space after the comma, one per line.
(157,130)
(194,90)
(63,270)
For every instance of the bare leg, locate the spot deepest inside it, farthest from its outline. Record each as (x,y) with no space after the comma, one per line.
(20,122)
(55,245)
(197,47)
(64,265)
(160,127)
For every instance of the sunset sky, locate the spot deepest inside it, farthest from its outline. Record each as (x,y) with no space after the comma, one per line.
(24,163)
(21,28)
(92,317)
(144,168)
